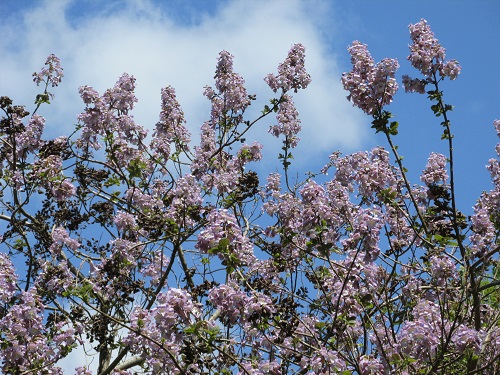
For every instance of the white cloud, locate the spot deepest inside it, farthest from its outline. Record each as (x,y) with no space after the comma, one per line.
(142,40)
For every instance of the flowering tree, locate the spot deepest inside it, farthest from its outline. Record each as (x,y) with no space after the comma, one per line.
(162,257)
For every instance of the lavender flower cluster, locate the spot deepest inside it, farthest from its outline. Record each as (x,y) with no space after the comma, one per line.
(371,86)
(427,55)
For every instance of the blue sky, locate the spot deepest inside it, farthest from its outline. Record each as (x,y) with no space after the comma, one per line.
(176,43)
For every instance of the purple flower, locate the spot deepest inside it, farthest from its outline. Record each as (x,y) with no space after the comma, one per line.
(142,200)
(467,338)
(56,278)
(30,139)
(205,151)
(63,190)
(371,86)
(108,115)
(82,370)
(425,53)
(170,128)
(29,349)
(88,94)
(366,227)
(292,73)
(160,329)
(442,269)
(493,167)
(371,366)
(8,279)
(238,307)
(370,172)
(124,220)
(414,84)
(427,56)
(231,96)
(420,337)
(121,96)
(435,170)
(230,300)
(326,361)
(157,264)
(273,183)
(451,69)
(176,305)
(186,196)
(51,74)
(60,238)
(222,226)
(288,121)
(261,367)
(484,231)
(496,124)
(249,153)
(48,171)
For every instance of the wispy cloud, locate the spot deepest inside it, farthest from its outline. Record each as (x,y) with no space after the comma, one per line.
(97,44)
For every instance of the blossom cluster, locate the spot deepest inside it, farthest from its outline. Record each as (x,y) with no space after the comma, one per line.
(125,221)
(108,117)
(435,170)
(186,197)
(30,139)
(49,173)
(60,237)
(288,121)
(223,236)
(487,207)
(222,170)
(443,269)
(170,129)
(419,339)
(292,73)
(371,173)
(427,55)
(238,307)
(159,330)
(29,348)
(371,86)
(231,95)
(8,279)
(51,74)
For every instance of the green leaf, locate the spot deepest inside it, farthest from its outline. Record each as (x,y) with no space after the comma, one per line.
(224,242)
(84,292)
(222,247)
(393,129)
(135,168)
(42,98)
(113,180)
